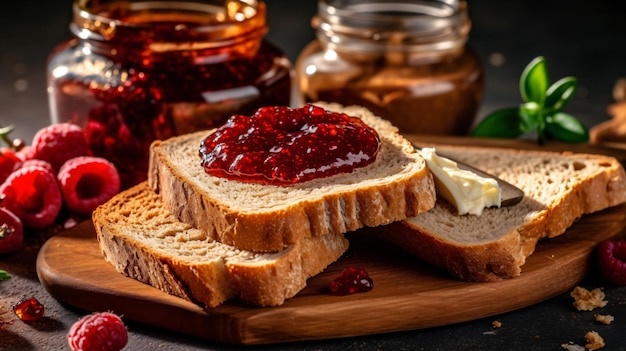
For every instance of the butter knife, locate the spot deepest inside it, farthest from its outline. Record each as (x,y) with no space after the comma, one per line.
(510,194)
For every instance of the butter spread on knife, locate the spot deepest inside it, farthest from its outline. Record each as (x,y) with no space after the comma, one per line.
(467,191)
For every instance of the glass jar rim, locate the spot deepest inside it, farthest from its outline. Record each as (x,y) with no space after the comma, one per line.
(219,25)
(404,25)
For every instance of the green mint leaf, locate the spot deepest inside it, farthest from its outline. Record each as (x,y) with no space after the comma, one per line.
(4,275)
(540,112)
(534,81)
(504,123)
(530,116)
(560,93)
(566,128)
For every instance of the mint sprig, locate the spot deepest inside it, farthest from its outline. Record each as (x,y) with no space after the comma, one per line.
(541,112)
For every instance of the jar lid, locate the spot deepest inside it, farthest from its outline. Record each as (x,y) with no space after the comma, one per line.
(404,25)
(171,24)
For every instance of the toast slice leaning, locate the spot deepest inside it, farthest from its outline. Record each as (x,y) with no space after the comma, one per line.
(144,241)
(266,218)
(558,187)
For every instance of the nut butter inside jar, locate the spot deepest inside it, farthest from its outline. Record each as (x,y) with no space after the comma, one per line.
(137,71)
(407,61)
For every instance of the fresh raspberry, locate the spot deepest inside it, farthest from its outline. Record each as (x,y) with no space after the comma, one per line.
(87,182)
(60,142)
(9,162)
(32,193)
(612,261)
(11,232)
(39,163)
(103,331)
(26,153)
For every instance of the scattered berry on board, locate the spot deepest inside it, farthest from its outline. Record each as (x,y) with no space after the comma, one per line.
(352,280)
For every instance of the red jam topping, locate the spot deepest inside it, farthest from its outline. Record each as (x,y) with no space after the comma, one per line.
(281,146)
(352,280)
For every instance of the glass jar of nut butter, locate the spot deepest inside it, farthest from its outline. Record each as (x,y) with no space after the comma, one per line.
(138,70)
(405,60)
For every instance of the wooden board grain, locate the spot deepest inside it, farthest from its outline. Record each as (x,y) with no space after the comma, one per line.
(407,294)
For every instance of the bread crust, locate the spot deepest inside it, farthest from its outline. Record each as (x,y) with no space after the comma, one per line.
(488,262)
(131,259)
(539,216)
(131,227)
(396,186)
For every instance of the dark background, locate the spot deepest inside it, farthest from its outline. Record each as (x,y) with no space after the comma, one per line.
(585,39)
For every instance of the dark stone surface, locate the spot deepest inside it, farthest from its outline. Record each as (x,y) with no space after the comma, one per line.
(580,38)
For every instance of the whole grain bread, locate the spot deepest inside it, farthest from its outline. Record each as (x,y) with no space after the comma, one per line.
(267,218)
(144,241)
(558,187)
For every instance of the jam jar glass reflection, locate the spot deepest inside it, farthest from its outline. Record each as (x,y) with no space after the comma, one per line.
(139,71)
(406,61)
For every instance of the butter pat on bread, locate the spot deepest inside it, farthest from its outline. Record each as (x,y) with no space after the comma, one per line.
(558,188)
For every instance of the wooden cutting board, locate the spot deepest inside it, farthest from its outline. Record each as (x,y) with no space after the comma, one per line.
(407,294)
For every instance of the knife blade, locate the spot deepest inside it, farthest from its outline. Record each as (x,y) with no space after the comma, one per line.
(510,194)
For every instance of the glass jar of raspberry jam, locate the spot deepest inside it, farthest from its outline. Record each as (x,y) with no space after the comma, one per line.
(137,71)
(405,60)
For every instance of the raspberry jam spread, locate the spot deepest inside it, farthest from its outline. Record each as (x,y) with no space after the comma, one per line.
(351,281)
(281,146)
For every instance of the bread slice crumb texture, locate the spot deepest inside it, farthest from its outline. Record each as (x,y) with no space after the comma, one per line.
(396,160)
(552,183)
(559,188)
(144,241)
(267,218)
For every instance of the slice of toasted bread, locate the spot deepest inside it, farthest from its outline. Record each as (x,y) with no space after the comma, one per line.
(144,241)
(266,218)
(558,187)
